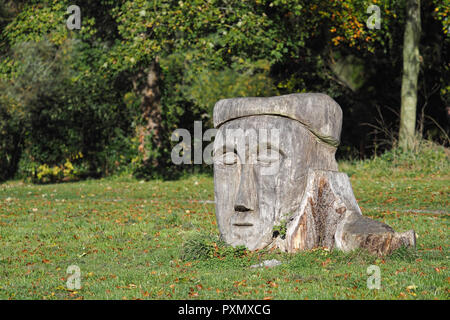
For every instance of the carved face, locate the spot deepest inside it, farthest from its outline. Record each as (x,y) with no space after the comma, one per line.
(258,179)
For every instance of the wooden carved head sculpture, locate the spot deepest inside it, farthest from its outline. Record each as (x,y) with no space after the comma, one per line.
(276,180)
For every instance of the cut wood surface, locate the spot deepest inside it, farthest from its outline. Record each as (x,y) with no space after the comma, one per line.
(330,217)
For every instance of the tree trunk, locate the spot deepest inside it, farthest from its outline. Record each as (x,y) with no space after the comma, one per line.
(411,64)
(151,111)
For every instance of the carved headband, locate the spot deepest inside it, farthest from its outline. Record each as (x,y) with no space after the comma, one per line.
(318,112)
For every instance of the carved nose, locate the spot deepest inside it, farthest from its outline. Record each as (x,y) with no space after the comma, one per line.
(246,196)
(241,208)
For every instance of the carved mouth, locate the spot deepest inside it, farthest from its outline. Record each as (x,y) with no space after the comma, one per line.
(243,224)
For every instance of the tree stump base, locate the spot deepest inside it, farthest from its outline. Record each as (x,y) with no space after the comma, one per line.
(329,216)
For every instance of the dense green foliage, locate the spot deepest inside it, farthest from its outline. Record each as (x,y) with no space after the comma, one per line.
(74,97)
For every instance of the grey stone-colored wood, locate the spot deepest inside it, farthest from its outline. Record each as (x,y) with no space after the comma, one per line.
(316,111)
(327,198)
(377,237)
(284,190)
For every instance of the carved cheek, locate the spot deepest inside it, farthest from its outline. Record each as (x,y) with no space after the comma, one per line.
(268,195)
(226,189)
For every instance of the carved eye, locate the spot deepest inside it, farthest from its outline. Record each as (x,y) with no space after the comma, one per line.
(230,158)
(227,158)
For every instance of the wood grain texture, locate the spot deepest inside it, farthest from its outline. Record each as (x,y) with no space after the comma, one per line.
(316,111)
(299,200)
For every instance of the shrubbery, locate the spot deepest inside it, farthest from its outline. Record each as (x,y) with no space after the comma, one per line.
(426,158)
(52,111)
(68,91)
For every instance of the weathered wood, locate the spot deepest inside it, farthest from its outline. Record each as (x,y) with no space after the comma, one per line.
(330,217)
(328,196)
(250,203)
(378,238)
(293,197)
(316,111)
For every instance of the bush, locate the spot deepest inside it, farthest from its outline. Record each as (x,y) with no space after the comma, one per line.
(58,107)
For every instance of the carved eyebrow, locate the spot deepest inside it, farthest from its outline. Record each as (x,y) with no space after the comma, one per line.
(231,148)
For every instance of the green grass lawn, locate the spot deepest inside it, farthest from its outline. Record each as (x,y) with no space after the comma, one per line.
(127,238)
